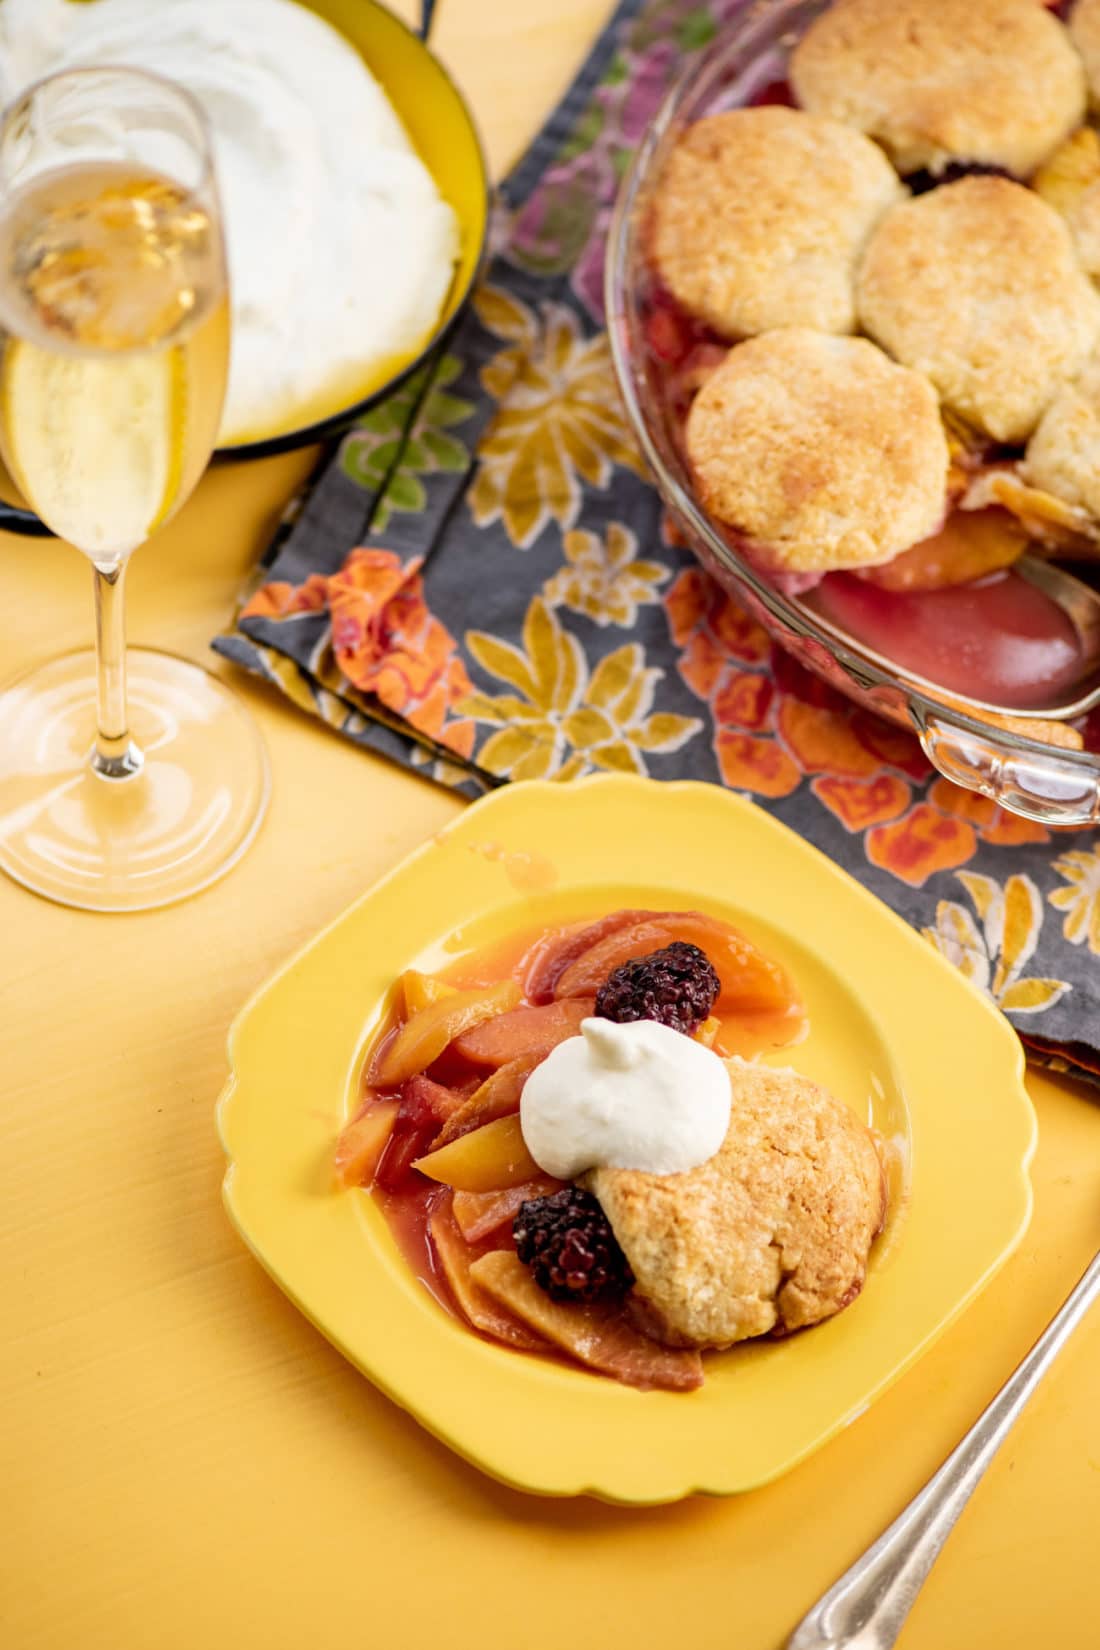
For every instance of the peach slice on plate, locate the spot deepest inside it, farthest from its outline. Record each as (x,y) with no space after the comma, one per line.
(478,1214)
(362,1143)
(751,982)
(421,990)
(456,1259)
(523,1031)
(487,1160)
(498,1096)
(423,1039)
(594,1335)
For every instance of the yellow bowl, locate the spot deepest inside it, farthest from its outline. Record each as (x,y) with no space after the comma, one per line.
(895,1032)
(434,114)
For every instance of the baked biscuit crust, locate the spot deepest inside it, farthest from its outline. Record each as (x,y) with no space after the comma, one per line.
(993,81)
(1070,182)
(1063,456)
(772,1233)
(977,284)
(1084,26)
(759,218)
(818,452)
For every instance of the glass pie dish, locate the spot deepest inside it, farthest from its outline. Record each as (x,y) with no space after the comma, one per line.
(994,752)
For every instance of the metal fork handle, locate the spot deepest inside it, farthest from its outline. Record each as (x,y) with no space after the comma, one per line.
(867,1608)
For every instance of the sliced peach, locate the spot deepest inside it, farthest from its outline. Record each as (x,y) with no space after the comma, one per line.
(751,982)
(421,990)
(421,1093)
(488,1159)
(498,1096)
(969,545)
(455,1258)
(594,1335)
(523,1031)
(707,1033)
(423,1038)
(415,1127)
(362,1143)
(479,1213)
(548,959)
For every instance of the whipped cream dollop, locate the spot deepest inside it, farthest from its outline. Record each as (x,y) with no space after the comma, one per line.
(340,247)
(633,1096)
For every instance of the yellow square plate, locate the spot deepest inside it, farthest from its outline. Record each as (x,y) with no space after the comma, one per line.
(895,1032)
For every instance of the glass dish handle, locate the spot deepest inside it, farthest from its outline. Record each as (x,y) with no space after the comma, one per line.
(1053,786)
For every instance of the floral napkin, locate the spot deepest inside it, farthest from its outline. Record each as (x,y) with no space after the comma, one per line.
(481,583)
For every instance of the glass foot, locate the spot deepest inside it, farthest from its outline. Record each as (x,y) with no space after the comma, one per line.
(128,844)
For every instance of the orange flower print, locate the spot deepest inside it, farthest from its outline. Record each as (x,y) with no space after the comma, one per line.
(891,744)
(923,842)
(823,740)
(750,764)
(385,640)
(993,823)
(694,602)
(861,803)
(744,699)
(279,600)
(703,664)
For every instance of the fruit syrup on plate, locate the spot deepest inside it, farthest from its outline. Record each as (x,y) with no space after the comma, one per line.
(953,609)
(520,1257)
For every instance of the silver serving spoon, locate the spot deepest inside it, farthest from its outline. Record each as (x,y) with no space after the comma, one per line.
(868,1606)
(1077,600)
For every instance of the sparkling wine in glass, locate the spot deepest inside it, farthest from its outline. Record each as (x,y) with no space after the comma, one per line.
(126,781)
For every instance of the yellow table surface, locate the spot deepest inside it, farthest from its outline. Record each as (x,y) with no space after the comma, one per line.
(184,1462)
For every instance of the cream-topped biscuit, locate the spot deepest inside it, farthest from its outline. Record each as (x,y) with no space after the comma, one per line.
(818,452)
(759,218)
(773,1232)
(991,81)
(977,284)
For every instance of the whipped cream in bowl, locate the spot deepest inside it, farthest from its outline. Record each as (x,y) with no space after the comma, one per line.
(632,1096)
(341,249)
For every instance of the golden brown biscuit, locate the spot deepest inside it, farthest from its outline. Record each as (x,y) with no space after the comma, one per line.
(772,1232)
(977,284)
(819,452)
(760,215)
(1063,456)
(1084,26)
(1070,182)
(993,81)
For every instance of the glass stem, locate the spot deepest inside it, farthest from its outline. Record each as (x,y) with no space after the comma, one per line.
(115,755)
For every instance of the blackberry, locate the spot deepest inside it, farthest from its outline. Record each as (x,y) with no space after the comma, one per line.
(567,1241)
(676,986)
(920,183)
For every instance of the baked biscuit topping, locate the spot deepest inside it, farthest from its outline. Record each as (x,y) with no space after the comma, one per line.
(1063,456)
(773,1233)
(1070,182)
(977,285)
(818,452)
(1084,27)
(761,215)
(972,80)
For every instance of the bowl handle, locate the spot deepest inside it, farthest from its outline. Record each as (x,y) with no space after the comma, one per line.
(1055,788)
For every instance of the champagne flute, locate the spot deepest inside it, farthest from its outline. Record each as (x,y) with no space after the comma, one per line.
(114,351)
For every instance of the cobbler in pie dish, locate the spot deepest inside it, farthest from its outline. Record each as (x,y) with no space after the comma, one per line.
(580,1147)
(970,273)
